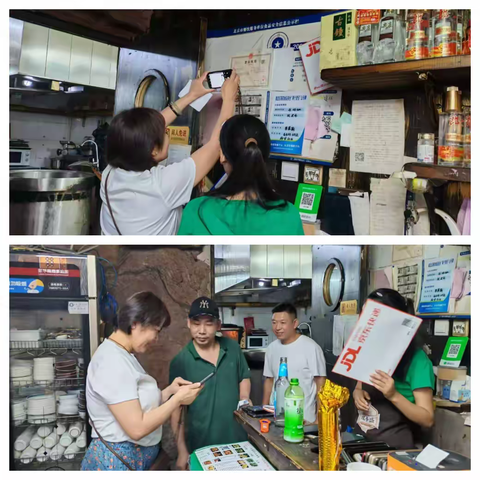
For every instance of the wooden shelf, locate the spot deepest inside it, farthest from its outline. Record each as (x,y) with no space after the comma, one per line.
(439,402)
(408,74)
(437,172)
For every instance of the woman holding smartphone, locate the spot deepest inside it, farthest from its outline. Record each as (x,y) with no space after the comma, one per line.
(141,197)
(125,405)
(404,401)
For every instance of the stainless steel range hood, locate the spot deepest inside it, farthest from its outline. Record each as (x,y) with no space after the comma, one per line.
(261,274)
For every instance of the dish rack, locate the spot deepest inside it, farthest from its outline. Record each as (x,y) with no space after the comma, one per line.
(40,348)
(66,351)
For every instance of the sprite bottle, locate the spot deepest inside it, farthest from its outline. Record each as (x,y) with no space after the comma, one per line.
(294,403)
(281,386)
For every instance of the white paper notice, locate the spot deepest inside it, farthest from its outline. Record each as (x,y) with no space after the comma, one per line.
(441,328)
(199,103)
(378,136)
(378,342)
(290,171)
(283,60)
(387,206)
(78,308)
(177,153)
(310,52)
(342,328)
(431,456)
(360,206)
(320,141)
(253,69)
(345,137)
(337,178)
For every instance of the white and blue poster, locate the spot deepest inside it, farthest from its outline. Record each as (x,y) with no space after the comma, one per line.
(287,120)
(437,283)
(26,285)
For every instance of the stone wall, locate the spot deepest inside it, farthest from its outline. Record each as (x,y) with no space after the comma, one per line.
(178,275)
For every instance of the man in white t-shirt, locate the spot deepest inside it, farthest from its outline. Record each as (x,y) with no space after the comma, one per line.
(305,359)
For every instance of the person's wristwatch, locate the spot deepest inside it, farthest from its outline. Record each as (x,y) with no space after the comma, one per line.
(242,403)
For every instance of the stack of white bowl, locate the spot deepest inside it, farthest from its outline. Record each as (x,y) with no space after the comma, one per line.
(68,405)
(19,410)
(41,409)
(82,441)
(26,338)
(43,370)
(21,372)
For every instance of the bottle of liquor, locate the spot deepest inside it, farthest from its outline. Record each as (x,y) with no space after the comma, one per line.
(281,386)
(391,41)
(367,36)
(294,405)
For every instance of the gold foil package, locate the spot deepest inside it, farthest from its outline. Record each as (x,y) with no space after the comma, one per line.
(330,399)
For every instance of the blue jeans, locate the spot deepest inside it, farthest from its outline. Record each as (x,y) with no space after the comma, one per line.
(99,457)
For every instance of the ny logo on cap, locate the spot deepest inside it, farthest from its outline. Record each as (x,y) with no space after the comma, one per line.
(204,304)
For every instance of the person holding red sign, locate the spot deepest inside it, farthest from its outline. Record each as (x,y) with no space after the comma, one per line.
(397,407)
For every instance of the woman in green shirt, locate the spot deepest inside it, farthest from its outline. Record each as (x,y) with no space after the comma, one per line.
(405,401)
(246,203)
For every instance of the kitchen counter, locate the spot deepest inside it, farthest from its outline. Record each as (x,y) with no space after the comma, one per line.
(281,454)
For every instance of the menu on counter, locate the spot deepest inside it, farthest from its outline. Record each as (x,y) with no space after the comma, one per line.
(287,120)
(436,285)
(232,457)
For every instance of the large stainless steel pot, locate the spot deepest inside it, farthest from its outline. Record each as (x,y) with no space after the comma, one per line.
(50,202)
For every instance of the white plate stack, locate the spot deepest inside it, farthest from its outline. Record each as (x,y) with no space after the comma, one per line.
(26,338)
(71,451)
(57,452)
(82,441)
(51,440)
(41,409)
(23,440)
(43,370)
(19,410)
(21,373)
(28,455)
(43,454)
(68,405)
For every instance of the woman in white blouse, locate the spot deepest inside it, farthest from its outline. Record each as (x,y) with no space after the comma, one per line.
(140,196)
(125,405)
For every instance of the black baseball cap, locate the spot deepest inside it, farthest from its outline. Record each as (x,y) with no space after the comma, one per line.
(204,306)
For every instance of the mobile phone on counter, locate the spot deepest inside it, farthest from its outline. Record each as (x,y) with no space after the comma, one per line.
(217,79)
(258,412)
(208,377)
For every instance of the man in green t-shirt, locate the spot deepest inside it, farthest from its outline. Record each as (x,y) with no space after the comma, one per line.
(209,420)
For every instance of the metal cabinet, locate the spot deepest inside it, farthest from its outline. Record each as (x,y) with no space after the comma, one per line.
(33,55)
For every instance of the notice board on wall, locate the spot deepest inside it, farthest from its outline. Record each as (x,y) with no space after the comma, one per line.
(274,86)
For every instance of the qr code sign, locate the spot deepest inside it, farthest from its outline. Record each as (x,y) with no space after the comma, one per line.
(359,157)
(407,322)
(327,121)
(453,350)
(307,201)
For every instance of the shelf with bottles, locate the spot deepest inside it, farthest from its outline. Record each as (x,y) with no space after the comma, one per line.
(439,172)
(400,75)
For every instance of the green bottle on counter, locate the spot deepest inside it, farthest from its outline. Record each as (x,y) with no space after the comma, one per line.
(294,403)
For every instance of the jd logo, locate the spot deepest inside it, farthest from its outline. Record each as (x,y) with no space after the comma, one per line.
(350,357)
(203,304)
(313,48)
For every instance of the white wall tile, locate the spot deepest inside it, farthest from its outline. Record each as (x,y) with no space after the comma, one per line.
(44,132)
(262,317)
